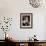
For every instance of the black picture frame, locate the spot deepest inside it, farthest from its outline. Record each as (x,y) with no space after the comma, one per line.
(26,20)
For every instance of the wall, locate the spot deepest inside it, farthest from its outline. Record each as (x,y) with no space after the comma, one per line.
(13,8)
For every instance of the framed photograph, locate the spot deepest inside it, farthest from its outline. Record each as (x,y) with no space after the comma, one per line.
(26,20)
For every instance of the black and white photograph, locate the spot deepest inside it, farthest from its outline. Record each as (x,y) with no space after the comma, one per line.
(26,20)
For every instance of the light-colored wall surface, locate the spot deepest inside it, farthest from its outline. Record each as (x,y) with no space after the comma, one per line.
(13,8)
